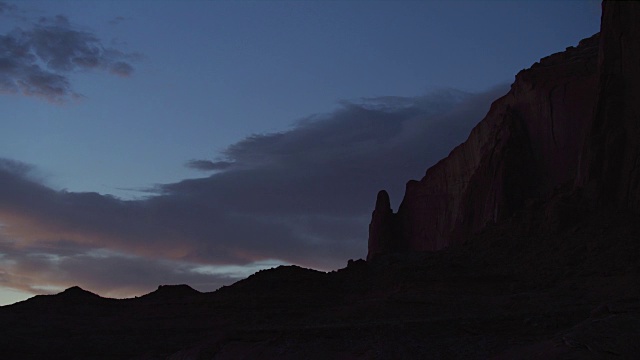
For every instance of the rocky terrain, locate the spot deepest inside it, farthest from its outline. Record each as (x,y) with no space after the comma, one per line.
(524,243)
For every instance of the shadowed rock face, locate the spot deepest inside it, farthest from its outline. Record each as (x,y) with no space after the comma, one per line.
(610,168)
(382,227)
(570,124)
(528,143)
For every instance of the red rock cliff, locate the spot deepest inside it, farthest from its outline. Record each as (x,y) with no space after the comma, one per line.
(610,167)
(570,120)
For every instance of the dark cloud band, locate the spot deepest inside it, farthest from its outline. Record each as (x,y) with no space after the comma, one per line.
(303,196)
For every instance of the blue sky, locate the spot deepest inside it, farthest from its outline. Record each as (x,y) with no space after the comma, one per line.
(294,113)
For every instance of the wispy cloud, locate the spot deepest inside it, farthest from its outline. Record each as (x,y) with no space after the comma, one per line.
(117,20)
(36,61)
(303,196)
(208,165)
(6,8)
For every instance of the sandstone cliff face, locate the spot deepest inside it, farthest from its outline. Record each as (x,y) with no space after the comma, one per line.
(522,148)
(610,168)
(570,121)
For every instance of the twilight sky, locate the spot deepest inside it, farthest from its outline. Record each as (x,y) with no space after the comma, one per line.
(160,142)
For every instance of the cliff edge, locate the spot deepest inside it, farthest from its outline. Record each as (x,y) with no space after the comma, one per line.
(568,125)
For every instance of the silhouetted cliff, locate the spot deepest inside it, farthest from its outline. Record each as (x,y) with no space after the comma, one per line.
(570,124)
(610,167)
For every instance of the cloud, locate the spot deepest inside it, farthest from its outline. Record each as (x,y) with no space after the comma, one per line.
(117,20)
(121,68)
(5,8)
(207,165)
(56,266)
(37,61)
(301,196)
(15,167)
